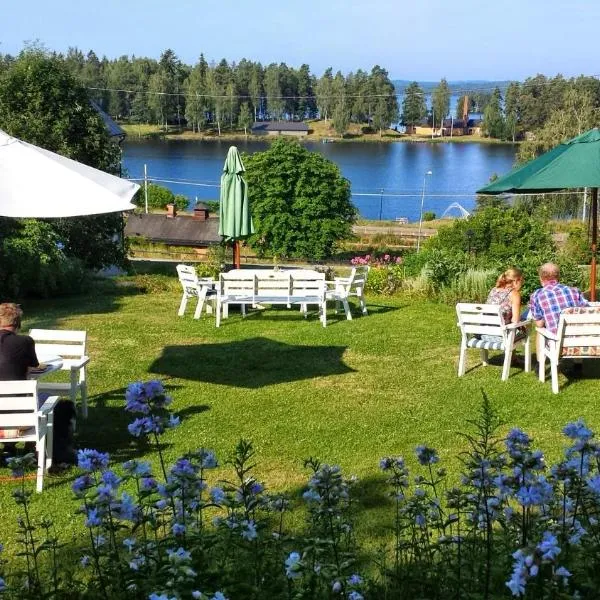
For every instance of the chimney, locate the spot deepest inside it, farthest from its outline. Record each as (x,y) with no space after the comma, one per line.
(171,211)
(466,111)
(200,212)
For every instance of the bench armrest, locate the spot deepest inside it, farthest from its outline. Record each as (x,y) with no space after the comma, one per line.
(519,324)
(84,360)
(49,405)
(547,334)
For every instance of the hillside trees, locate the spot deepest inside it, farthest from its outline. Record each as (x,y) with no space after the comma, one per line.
(440,103)
(301,205)
(493,119)
(414,107)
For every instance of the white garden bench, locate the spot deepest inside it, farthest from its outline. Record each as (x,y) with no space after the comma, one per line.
(271,287)
(577,336)
(475,320)
(22,421)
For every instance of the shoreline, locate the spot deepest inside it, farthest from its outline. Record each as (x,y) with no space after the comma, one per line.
(136,133)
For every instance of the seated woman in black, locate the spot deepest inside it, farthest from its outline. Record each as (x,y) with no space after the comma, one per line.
(17,352)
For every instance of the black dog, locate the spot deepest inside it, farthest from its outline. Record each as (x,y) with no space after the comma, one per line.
(65,421)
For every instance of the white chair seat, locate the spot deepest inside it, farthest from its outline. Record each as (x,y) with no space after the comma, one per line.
(195,287)
(484,344)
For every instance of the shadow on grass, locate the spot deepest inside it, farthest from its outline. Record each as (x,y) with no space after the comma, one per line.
(251,363)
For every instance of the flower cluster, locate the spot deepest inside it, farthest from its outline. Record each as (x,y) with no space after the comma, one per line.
(149,400)
(376,261)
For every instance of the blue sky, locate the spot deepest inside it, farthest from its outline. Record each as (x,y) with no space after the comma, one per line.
(420,39)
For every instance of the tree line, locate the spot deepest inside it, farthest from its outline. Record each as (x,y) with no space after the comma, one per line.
(542,110)
(228,95)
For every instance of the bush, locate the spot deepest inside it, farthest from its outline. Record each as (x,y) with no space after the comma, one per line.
(158,198)
(386,272)
(32,262)
(428,215)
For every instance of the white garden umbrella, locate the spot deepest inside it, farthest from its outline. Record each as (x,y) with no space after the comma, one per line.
(37,183)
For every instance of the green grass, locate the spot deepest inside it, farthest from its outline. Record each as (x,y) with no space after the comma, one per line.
(348,394)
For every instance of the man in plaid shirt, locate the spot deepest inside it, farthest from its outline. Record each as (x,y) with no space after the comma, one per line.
(548,301)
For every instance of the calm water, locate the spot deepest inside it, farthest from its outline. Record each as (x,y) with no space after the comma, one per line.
(387,178)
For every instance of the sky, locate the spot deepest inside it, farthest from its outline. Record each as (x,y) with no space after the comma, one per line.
(422,40)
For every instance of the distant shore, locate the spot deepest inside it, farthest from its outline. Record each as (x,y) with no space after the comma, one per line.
(318,132)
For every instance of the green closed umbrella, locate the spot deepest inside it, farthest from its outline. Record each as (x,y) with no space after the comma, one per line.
(573,164)
(235,222)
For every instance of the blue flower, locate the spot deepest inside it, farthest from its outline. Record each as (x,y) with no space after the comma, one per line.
(218,596)
(148,484)
(2,584)
(354,580)
(354,595)
(426,456)
(85,561)
(594,484)
(420,520)
(129,543)
(207,459)
(311,496)
(127,508)
(548,546)
(336,588)
(155,596)
(196,594)
(92,460)
(93,518)
(111,479)
(139,468)
(173,421)
(137,562)
(578,431)
(217,495)
(249,530)
(82,483)
(293,566)
(179,555)
(183,467)
(178,529)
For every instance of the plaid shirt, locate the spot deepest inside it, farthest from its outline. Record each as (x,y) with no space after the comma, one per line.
(547,303)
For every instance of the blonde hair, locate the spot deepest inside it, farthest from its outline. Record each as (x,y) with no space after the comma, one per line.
(10,315)
(509,276)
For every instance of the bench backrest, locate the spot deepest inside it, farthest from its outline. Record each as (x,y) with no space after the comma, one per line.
(237,284)
(480,319)
(358,277)
(579,331)
(59,342)
(18,404)
(308,285)
(273,284)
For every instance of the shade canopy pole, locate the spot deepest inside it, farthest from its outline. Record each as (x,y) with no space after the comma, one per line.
(237,259)
(594,209)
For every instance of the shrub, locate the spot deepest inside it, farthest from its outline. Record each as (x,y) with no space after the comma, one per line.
(386,273)
(158,198)
(428,215)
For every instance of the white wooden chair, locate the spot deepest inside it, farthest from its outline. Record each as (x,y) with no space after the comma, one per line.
(577,337)
(475,320)
(195,287)
(70,346)
(22,421)
(342,288)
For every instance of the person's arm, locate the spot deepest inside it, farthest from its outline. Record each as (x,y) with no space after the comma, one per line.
(515,301)
(32,358)
(536,311)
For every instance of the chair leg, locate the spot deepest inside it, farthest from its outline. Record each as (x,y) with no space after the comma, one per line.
(201,298)
(541,356)
(182,305)
(49,439)
(220,310)
(554,374)
(462,358)
(347,309)
(363,305)
(527,347)
(484,357)
(41,452)
(506,366)
(323,314)
(84,405)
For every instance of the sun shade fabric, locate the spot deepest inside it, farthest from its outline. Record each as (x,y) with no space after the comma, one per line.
(574,164)
(37,183)
(235,221)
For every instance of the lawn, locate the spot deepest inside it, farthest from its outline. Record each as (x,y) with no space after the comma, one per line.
(348,394)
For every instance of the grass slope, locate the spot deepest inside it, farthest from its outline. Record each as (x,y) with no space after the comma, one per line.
(348,394)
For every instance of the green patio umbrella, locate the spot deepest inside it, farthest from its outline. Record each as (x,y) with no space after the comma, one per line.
(573,164)
(235,221)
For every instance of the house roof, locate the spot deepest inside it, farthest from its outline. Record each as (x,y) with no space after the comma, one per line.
(182,230)
(263,126)
(113,128)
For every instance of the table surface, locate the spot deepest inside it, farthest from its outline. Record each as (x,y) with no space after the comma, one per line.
(53,363)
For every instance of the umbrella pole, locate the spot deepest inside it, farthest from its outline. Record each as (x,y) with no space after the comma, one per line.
(594,209)
(237,262)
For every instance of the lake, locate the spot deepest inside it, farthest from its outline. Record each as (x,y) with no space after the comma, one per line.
(387,178)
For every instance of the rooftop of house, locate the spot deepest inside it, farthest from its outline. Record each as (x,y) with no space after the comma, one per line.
(260,126)
(180,230)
